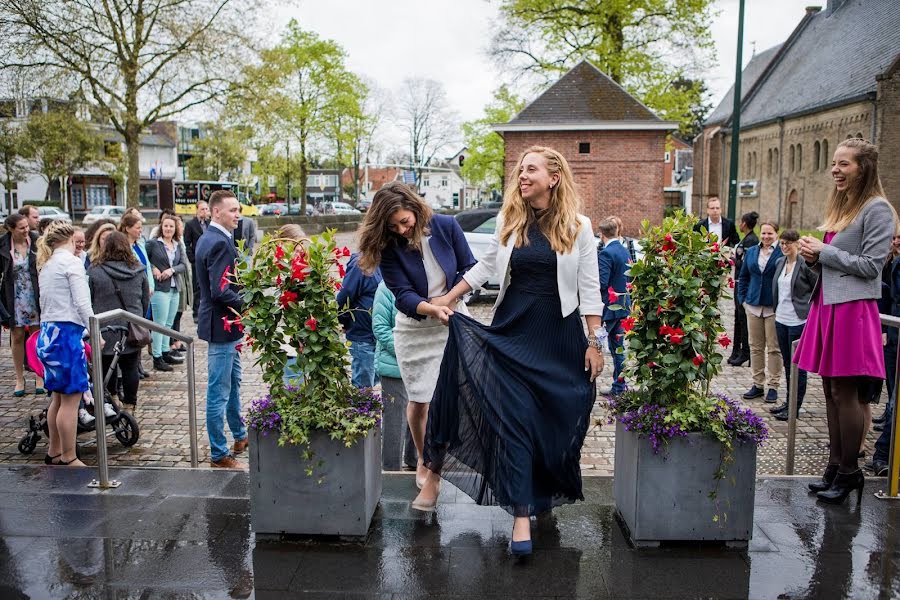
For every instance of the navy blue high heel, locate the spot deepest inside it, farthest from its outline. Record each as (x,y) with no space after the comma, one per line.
(520,548)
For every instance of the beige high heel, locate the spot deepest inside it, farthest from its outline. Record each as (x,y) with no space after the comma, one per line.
(428,506)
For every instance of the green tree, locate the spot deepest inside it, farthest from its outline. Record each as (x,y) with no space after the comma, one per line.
(650,47)
(137,62)
(12,153)
(59,144)
(484,164)
(219,154)
(290,94)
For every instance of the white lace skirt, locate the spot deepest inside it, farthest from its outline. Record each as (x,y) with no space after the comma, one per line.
(419,346)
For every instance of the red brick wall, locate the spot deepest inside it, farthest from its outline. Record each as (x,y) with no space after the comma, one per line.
(622,175)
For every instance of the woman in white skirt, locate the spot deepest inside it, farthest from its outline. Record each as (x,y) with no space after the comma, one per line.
(422,256)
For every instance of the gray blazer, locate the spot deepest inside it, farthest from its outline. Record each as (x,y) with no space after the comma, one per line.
(156,254)
(849,268)
(803,283)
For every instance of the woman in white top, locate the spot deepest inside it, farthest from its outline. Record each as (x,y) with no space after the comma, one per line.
(793,288)
(65,310)
(513,401)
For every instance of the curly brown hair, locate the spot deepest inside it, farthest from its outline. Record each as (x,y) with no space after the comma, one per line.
(117,248)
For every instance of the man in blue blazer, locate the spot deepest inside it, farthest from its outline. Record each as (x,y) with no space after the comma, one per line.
(614,261)
(219,300)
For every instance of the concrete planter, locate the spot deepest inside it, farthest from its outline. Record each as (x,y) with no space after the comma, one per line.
(284,500)
(665,496)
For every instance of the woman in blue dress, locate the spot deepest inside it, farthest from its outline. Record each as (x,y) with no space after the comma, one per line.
(513,401)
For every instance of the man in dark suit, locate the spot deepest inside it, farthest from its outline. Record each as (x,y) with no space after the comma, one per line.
(220,299)
(614,260)
(193,229)
(714,222)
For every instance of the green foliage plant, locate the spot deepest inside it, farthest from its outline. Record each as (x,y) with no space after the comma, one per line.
(289,291)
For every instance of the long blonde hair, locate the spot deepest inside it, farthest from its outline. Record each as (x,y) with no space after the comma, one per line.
(559,223)
(56,234)
(374,235)
(94,250)
(845,205)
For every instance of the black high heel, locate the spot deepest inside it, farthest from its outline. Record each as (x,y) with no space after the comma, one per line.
(827,479)
(48,460)
(843,484)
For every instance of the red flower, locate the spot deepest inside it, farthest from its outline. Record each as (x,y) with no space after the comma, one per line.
(628,323)
(668,237)
(311,323)
(345,251)
(652,364)
(226,324)
(665,329)
(239,346)
(341,270)
(731,283)
(298,268)
(668,246)
(337,286)
(287,297)
(278,281)
(659,309)
(715,247)
(613,296)
(724,341)
(676,338)
(698,360)
(731,262)
(279,252)
(628,286)
(224,281)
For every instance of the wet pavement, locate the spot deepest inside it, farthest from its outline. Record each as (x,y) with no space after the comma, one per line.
(173,533)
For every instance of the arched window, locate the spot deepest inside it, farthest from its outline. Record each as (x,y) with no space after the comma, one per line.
(826,157)
(776,162)
(799,157)
(769,162)
(793,156)
(859,134)
(817,151)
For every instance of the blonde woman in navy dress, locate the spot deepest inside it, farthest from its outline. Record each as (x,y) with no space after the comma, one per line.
(421,256)
(513,401)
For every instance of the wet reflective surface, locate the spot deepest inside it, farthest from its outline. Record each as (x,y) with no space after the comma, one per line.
(183,534)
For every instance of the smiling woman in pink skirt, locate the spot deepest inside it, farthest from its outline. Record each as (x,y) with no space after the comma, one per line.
(842,339)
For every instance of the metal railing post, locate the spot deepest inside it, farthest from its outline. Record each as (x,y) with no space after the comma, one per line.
(99,414)
(792,413)
(94,326)
(893,477)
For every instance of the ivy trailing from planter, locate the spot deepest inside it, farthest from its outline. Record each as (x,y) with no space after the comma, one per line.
(673,336)
(290,302)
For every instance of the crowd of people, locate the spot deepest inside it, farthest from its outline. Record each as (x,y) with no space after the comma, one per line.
(501,418)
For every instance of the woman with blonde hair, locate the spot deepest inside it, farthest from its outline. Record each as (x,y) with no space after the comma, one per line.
(842,338)
(65,310)
(96,244)
(421,256)
(514,399)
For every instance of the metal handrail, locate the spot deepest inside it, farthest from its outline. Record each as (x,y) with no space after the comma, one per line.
(893,492)
(97,366)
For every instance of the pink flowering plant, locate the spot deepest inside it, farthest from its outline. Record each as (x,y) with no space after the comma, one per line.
(289,289)
(674,336)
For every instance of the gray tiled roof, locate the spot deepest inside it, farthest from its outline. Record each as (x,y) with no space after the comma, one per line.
(750,74)
(583,95)
(834,58)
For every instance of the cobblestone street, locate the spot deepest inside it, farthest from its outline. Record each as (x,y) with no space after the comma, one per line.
(162,414)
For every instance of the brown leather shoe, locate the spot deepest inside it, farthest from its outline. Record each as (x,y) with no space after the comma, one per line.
(226,462)
(241,445)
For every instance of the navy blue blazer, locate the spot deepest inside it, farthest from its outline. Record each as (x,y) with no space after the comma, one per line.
(755,286)
(614,260)
(404,271)
(214,253)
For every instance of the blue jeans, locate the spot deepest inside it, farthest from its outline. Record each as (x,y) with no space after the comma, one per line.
(223,398)
(787,335)
(164,305)
(362,367)
(614,329)
(293,376)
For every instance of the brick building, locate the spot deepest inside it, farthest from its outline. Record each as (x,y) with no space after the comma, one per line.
(615,145)
(836,76)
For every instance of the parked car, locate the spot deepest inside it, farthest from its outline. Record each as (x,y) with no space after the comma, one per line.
(106,211)
(342,208)
(51,212)
(277,208)
(364,204)
(478,227)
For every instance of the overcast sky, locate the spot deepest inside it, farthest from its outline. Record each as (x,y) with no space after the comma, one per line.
(388,40)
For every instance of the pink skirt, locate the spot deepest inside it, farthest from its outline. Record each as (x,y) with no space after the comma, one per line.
(842,340)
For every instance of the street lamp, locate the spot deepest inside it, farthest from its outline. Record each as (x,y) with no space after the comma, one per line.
(736,120)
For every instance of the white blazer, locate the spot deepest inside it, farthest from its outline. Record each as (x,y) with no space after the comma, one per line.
(577,273)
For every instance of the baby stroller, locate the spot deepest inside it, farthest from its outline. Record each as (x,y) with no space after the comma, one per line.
(121,424)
